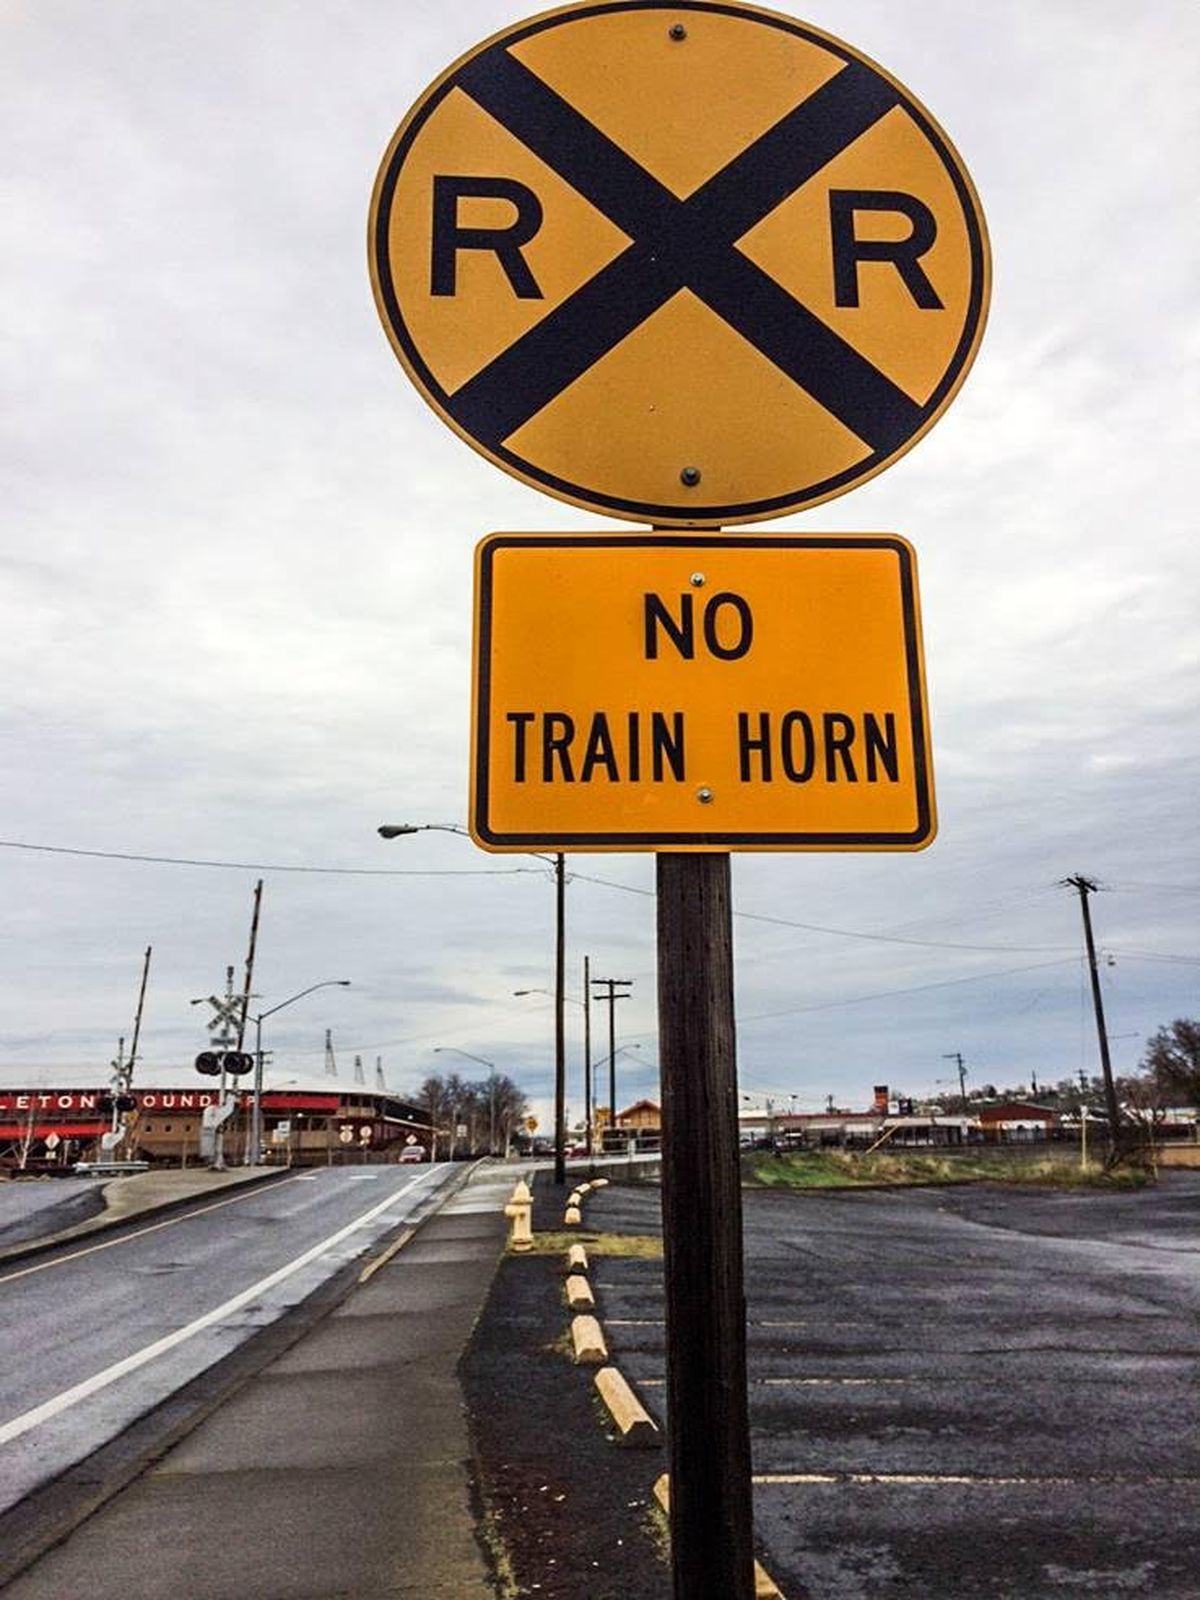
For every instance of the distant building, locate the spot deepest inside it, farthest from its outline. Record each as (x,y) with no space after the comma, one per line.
(639,1127)
(855,1130)
(306,1121)
(1017,1122)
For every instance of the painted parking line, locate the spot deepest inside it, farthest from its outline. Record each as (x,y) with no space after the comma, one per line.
(980,1480)
(119,1369)
(799,1383)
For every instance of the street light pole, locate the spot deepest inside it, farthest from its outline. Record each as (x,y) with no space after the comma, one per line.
(397,830)
(255,1144)
(440,1049)
(587,1057)
(560,1047)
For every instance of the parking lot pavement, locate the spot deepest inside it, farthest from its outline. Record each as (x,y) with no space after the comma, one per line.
(967,1394)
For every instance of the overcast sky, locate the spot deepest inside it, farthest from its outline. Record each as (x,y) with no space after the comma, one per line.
(236,576)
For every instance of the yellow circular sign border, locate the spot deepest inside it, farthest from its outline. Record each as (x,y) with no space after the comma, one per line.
(410,359)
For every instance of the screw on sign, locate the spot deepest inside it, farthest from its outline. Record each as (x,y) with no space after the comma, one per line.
(692,265)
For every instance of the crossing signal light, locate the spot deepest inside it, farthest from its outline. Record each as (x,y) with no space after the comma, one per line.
(238,1062)
(209,1062)
(126,1102)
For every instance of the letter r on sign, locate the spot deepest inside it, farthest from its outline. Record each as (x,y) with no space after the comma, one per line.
(450,236)
(903,254)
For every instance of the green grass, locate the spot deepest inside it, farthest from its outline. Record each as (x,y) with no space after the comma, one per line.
(838,1169)
(597,1244)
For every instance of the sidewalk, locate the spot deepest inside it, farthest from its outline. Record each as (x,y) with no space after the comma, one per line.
(341,1469)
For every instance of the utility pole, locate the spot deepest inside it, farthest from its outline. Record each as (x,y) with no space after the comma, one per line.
(708,1430)
(614,986)
(123,1071)
(1085,887)
(956,1055)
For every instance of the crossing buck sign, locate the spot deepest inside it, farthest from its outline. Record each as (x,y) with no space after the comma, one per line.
(689,264)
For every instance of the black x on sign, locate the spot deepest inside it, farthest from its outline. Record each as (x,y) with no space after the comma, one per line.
(694,265)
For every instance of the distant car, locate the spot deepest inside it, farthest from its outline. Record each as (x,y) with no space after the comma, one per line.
(412,1152)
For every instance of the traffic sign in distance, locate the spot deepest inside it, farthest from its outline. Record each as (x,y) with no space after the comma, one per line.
(692,265)
(707,692)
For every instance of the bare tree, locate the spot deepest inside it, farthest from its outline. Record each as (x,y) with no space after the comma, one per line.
(1173,1056)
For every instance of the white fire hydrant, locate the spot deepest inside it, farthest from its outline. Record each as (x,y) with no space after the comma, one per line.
(519,1209)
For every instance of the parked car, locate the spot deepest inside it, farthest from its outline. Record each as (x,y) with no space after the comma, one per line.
(412,1152)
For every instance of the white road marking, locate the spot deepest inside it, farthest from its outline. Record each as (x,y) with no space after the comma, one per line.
(797,1383)
(932,1480)
(101,1380)
(137,1233)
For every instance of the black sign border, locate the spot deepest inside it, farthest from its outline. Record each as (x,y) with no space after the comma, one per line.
(921,836)
(644,511)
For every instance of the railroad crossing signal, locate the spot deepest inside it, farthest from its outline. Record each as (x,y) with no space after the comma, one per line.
(692,265)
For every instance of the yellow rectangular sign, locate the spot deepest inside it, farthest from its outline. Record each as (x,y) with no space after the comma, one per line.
(666,691)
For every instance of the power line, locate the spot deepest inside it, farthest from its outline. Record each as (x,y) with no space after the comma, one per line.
(508,872)
(920,988)
(261,866)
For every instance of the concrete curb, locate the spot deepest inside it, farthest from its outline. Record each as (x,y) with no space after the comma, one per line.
(765,1587)
(588,1339)
(635,1426)
(579,1292)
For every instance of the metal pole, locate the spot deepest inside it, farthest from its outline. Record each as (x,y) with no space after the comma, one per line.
(587,1055)
(223,1041)
(708,1430)
(560,1057)
(253,1153)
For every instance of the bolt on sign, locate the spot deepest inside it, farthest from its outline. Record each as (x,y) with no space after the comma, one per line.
(657,691)
(691,265)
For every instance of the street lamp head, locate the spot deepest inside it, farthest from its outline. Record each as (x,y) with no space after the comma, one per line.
(393,830)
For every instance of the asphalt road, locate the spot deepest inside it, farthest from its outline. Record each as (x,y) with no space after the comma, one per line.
(95,1335)
(958,1394)
(30,1207)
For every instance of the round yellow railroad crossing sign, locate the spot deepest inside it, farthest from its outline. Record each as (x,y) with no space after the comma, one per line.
(692,264)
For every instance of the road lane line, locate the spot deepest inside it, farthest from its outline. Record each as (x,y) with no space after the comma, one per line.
(138,1233)
(119,1369)
(373,1266)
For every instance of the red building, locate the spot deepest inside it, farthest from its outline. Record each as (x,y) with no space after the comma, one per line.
(309,1121)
